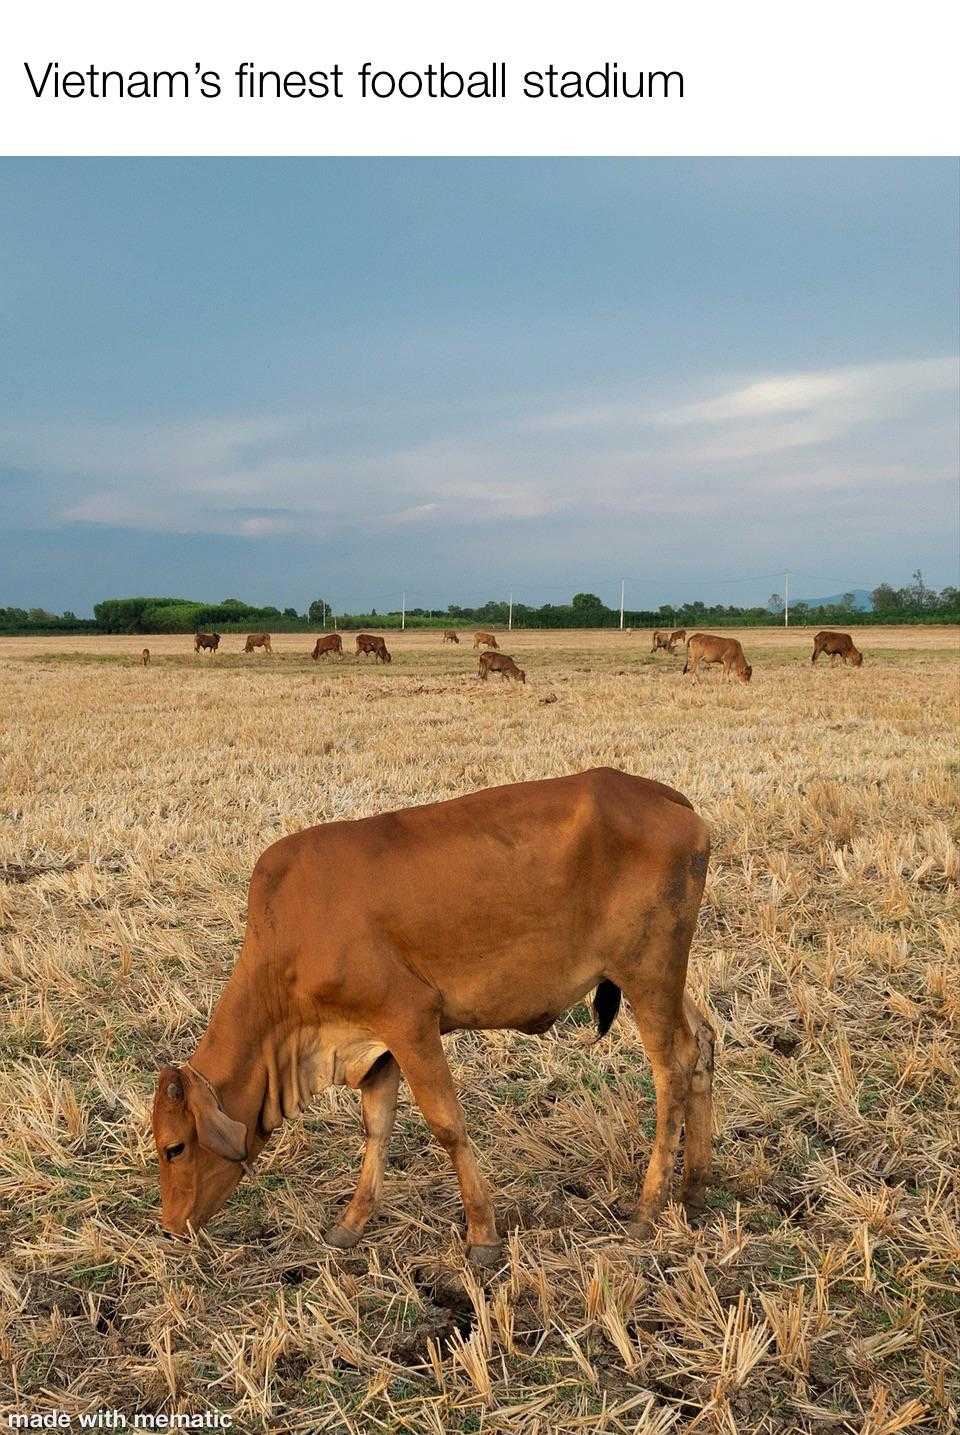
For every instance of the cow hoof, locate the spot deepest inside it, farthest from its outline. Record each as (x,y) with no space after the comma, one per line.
(695,1199)
(641,1228)
(342,1238)
(485,1256)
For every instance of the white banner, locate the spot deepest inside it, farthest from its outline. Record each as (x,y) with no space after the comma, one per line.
(826,77)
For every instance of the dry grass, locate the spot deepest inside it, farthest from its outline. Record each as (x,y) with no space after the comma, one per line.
(820,1291)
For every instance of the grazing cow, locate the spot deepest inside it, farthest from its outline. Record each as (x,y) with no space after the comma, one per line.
(208,641)
(373,643)
(837,645)
(451,637)
(668,641)
(332,643)
(258,640)
(481,640)
(500,663)
(597,879)
(145,656)
(705,648)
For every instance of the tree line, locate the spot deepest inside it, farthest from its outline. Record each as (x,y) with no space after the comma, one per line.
(914,603)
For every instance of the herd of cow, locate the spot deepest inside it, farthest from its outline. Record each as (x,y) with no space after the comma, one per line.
(708,648)
(700,648)
(373,644)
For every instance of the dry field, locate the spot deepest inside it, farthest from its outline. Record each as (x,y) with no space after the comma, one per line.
(819,1293)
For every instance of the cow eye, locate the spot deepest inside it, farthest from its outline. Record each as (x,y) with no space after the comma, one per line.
(172,1152)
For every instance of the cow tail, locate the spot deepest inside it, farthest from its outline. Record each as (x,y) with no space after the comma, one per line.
(606,1004)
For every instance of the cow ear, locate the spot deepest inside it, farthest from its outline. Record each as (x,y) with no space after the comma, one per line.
(170,1083)
(216,1131)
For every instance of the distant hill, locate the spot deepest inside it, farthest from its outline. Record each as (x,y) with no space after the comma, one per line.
(861,600)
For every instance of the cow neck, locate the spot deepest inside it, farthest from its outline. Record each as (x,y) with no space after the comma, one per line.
(238,1054)
(262,1060)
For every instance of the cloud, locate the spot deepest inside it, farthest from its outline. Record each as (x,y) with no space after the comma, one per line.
(586,460)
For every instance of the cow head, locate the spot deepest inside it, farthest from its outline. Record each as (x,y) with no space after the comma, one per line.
(744,672)
(200,1149)
(856,657)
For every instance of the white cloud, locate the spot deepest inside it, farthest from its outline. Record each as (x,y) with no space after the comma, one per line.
(583,461)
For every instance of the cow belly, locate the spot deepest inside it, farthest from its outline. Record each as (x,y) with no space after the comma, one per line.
(529,1006)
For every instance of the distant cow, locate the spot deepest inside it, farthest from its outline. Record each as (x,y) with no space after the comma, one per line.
(481,640)
(679,635)
(837,645)
(500,663)
(450,636)
(666,641)
(332,643)
(258,640)
(210,641)
(373,643)
(145,656)
(706,648)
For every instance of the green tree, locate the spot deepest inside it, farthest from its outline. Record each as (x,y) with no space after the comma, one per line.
(317,609)
(588,610)
(884,598)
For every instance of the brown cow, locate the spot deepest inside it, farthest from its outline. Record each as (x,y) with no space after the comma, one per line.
(706,648)
(666,641)
(451,637)
(500,663)
(258,640)
(837,645)
(332,643)
(373,643)
(355,981)
(485,639)
(145,656)
(208,641)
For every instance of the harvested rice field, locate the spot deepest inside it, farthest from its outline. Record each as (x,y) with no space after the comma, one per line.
(819,1291)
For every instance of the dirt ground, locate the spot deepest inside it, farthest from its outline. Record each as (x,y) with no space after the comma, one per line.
(819,1293)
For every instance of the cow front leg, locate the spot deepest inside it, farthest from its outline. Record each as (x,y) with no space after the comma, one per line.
(427,1074)
(378,1102)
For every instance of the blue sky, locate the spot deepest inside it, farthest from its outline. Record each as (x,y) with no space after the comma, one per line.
(281,379)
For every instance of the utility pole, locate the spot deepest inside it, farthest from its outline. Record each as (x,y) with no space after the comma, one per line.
(403,610)
(786,600)
(510,616)
(621,603)
(323,612)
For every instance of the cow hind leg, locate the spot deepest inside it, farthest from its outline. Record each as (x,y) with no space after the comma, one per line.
(669,1027)
(671,1051)
(378,1099)
(427,1074)
(698,1117)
